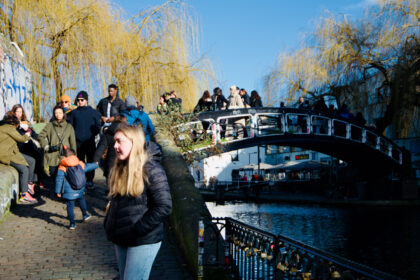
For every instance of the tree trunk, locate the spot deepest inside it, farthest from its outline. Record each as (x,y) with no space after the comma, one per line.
(56,73)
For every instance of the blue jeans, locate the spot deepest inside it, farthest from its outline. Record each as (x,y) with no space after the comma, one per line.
(70,207)
(136,262)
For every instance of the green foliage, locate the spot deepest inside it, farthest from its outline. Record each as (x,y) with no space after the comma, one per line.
(188,134)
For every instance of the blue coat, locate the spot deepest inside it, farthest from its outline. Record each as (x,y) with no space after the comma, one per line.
(136,117)
(63,187)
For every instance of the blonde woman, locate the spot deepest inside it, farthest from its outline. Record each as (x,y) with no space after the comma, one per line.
(139,202)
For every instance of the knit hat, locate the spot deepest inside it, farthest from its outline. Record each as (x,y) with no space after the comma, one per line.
(65,98)
(130,101)
(82,94)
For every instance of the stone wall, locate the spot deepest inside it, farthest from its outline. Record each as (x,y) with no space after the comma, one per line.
(15,88)
(9,187)
(188,207)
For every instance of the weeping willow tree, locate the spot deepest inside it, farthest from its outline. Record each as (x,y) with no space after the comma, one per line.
(160,56)
(72,45)
(372,64)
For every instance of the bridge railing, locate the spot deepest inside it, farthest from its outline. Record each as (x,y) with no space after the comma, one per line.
(253,253)
(236,125)
(227,185)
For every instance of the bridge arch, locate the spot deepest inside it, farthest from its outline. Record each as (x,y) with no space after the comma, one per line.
(313,130)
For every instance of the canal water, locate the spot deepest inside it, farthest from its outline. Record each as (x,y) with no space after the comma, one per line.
(386,238)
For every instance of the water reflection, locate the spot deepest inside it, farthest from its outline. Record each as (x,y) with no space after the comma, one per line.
(386,238)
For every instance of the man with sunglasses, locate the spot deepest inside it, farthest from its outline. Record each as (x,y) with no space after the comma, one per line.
(66,104)
(87,124)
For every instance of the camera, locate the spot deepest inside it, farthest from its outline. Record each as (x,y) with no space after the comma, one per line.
(54,148)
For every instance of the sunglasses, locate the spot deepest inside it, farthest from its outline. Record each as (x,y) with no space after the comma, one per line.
(66,102)
(80,100)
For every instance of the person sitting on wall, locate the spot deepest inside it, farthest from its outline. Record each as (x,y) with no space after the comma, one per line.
(10,155)
(31,148)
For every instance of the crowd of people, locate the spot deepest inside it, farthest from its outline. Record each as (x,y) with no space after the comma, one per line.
(139,197)
(64,155)
(238,98)
(343,111)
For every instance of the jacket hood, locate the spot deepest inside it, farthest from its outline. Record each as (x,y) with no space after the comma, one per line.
(233,94)
(71,161)
(56,123)
(154,151)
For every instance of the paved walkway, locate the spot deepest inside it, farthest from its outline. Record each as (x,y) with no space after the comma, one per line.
(36,244)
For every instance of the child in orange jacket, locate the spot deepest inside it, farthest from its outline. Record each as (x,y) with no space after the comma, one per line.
(64,189)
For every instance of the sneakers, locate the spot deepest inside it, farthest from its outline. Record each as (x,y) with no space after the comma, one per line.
(72,226)
(86,217)
(31,188)
(26,198)
(90,186)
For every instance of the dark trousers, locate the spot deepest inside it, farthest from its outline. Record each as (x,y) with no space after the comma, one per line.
(26,173)
(85,152)
(70,207)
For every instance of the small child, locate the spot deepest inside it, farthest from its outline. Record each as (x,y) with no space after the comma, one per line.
(65,189)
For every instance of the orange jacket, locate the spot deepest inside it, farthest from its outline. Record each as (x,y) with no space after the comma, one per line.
(70,161)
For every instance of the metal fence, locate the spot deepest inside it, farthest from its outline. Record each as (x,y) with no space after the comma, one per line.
(252,253)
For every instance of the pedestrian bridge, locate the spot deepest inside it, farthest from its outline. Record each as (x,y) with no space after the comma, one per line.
(326,133)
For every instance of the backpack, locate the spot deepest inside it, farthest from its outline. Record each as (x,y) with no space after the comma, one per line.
(76,177)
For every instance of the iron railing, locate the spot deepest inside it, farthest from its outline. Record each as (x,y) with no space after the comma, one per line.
(252,253)
(235,125)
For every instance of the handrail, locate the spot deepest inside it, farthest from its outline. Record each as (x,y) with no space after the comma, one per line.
(336,126)
(257,254)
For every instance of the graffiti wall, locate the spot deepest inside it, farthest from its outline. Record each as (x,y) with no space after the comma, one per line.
(15,80)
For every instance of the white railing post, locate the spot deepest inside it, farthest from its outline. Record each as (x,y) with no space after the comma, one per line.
(348,131)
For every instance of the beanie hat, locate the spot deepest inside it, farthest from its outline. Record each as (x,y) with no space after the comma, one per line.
(65,98)
(130,101)
(82,94)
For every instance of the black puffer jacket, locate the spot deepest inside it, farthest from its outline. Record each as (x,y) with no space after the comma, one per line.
(107,142)
(134,221)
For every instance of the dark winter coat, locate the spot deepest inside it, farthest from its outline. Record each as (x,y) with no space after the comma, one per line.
(137,117)
(245,99)
(134,221)
(107,142)
(117,106)
(203,105)
(255,102)
(86,123)
(219,101)
(62,185)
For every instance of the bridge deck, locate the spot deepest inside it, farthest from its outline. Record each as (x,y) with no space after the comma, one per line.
(36,244)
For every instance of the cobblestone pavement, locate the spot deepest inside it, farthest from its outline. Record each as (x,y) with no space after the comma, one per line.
(36,244)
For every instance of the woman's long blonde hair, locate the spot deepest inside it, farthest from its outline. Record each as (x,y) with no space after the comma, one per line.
(128,176)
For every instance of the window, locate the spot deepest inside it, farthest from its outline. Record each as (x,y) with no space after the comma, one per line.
(235,156)
(271,149)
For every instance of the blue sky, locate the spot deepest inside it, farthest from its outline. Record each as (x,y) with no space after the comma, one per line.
(244,38)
